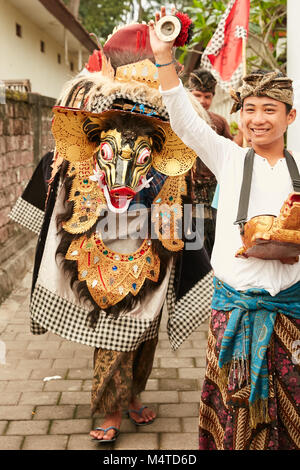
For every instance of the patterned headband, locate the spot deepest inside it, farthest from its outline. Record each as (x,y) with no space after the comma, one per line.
(256,84)
(204,84)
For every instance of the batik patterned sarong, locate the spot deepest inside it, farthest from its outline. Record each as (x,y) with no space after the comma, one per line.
(224,408)
(118,376)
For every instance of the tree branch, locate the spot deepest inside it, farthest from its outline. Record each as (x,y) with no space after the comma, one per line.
(271,25)
(195,50)
(267,56)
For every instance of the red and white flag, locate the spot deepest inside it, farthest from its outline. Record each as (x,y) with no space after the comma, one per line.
(223,54)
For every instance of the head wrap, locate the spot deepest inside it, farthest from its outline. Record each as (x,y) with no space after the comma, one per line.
(203,81)
(269,84)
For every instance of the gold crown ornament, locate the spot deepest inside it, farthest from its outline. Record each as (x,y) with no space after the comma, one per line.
(143,72)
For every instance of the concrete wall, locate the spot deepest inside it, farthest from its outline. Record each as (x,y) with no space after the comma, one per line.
(21,58)
(25,122)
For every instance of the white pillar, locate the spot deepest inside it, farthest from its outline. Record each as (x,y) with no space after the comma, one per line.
(293,67)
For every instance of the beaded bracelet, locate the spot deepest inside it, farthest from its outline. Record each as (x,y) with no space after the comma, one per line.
(164,65)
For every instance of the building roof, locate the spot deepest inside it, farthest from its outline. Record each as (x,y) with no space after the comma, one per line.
(50,16)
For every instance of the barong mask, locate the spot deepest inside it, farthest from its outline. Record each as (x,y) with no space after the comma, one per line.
(123,154)
(124,162)
(123,158)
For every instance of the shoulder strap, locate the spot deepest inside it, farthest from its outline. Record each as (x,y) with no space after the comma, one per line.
(246,184)
(293,170)
(245,191)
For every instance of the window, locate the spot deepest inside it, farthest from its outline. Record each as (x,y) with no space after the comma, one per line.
(42,46)
(18,30)
(71,66)
(59,58)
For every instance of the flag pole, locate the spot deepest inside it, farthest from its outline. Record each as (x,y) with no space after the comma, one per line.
(244,58)
(244,61)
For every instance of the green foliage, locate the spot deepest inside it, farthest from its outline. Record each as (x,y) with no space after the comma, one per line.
(101,16)
(266,23)
(150,7)
(234,128)
(205,15)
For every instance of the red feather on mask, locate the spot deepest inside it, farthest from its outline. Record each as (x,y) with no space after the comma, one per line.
(95,62)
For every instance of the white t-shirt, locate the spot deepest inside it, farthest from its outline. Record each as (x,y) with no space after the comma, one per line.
(269,189)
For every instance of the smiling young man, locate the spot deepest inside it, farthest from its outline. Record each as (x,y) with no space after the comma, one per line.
(265,120)
(250,397)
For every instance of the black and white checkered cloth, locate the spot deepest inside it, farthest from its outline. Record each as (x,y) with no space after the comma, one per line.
(27,215)
(214,47)
(217,40)
(190,311)
(124,334)
(240,32)
(70,321)
(171,297)
(100,103)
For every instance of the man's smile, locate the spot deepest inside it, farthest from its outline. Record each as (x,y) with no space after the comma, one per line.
(259,131)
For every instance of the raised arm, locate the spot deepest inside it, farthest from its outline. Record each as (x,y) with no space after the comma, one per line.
(163,53)
(185,121)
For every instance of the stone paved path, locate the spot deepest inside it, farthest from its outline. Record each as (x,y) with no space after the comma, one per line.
(37,414)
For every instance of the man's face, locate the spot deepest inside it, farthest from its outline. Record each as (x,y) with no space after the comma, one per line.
(204,97)
(265,120)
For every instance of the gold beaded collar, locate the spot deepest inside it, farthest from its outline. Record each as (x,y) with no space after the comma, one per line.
(110,276)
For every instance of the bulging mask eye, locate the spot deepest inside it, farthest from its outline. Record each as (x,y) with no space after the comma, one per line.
(106,151)
(143,156)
